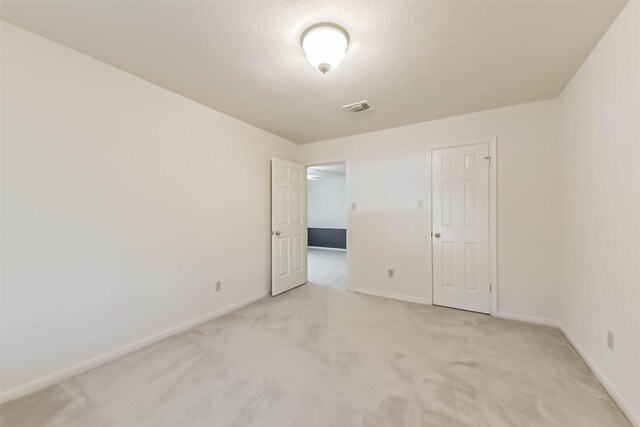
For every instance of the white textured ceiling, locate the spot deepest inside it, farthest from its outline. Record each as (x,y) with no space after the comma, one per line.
(413,61)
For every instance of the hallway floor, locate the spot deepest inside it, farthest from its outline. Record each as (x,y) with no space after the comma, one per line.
(327,267)
(319,355)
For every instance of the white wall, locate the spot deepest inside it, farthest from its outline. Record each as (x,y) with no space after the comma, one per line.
(327,202)
(122,204)
(601,135)
(388,175)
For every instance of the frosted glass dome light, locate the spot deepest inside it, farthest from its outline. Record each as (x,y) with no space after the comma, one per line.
(325,46)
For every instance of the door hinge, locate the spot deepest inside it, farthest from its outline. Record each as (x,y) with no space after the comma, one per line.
(490,288)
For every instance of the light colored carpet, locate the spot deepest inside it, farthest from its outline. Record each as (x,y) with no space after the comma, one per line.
(323,356)
(327,268)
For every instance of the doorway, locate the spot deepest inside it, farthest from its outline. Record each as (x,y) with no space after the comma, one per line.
(327,222)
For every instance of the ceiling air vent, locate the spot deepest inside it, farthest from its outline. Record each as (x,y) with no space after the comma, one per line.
(357,107)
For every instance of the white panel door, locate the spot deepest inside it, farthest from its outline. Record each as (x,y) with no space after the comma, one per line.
(288,225)
(460,227)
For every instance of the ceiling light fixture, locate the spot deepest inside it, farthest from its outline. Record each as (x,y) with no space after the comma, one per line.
(325,46)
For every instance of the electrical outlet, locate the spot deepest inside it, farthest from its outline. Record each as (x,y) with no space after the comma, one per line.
(420,204)
(353,206)
(391,273)
(610,340)
(218,286)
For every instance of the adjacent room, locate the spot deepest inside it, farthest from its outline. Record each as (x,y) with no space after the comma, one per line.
(327,224)
(319,213)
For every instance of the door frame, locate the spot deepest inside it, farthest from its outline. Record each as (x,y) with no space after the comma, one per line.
(493,210)
(348,207)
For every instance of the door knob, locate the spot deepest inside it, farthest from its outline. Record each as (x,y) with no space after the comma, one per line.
(437,235)
(277,233)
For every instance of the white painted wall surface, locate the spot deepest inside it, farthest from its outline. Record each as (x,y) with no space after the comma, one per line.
(601,227)
(327,202)
(388,175)
(123,203)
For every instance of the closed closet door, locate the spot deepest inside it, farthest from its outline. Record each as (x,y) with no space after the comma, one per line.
(460,228)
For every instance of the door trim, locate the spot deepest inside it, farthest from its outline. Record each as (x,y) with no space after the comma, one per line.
(493,210)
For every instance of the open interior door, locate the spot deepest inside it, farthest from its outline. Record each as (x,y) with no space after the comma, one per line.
(288,225)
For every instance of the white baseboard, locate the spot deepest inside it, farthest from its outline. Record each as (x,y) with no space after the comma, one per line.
(391,295)
(63,374)
(625,407)
(529,319)
(327,249)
